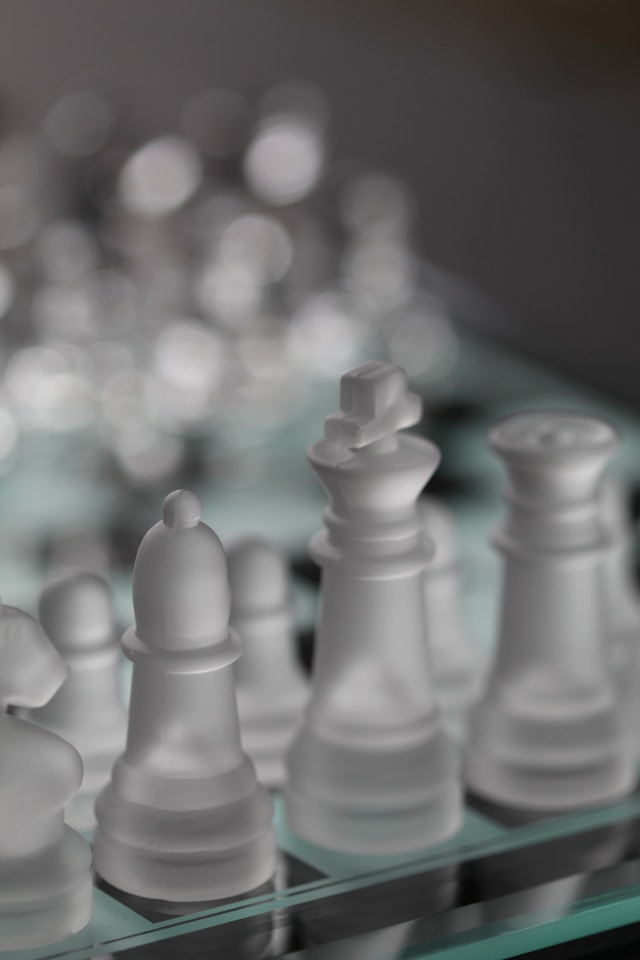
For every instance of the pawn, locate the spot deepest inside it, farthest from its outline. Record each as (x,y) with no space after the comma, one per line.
(271,688)
(621,606)
(456,668)
(76,613)
(45,867)
(548,734)
(183,819)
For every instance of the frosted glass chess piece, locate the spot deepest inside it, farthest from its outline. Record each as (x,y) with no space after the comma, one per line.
(548,733)
(183,818)
(45,867)
(456,667)
(371,770)
(621,604)
(76,613)
(271,687)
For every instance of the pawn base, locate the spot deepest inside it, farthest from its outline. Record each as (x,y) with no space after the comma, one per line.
(265,739)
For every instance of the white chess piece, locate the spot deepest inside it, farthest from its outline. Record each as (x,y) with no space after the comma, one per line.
(76,613)
(183,818)
(548,733)
(456,667)
(621,605)
(371,770)
(271,687)
(45,867)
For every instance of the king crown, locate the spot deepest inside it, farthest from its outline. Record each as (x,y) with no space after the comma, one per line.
(375,402)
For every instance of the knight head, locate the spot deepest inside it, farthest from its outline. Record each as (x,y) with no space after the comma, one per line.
(31,670)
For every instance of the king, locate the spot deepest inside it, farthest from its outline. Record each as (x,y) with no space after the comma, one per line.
(371,771)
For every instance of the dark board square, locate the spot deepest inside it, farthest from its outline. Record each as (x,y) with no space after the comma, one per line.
(159,911)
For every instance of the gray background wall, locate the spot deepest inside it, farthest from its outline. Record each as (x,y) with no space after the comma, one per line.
(516,123)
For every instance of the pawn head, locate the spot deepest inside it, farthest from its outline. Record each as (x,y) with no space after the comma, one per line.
(76,610)
(439,528)
(259,577)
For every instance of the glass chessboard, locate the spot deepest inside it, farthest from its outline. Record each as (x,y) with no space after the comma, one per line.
(498,889)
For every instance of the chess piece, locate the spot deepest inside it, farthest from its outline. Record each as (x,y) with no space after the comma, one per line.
(456,668)
(271,688)
(45,867)
(76,613)
(371,770)
(621,605)
(548,734)
(183,818)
